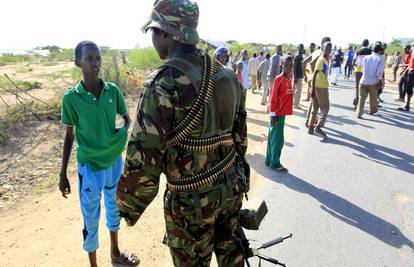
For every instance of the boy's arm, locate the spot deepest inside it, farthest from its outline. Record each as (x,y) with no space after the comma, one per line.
(314,79)
(64,185)
(127,121)
(274,102)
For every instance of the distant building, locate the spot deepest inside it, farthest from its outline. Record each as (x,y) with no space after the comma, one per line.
(212,44)
(13,52)
(41,52)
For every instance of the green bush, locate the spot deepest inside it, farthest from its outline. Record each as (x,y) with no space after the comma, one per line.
(27,85)
(24,85)
(61,55)
(11,58)
(145,59)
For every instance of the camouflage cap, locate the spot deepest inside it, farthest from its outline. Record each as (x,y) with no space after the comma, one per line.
(176,17)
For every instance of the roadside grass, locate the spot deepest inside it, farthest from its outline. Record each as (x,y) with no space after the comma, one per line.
(49,64)
(24,85)
(17,115)
(72,73)
(24,70)
(45,184)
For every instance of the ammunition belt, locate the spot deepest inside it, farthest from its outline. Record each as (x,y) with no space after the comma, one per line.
(205,178)
(196,113)
(206,144)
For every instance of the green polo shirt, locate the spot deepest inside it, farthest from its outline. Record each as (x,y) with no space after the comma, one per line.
(99,143)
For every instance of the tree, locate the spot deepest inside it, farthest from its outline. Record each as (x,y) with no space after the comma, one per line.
(394,46)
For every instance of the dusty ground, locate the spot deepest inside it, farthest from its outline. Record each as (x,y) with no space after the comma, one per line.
(45,229)
(40,228)
(51,85)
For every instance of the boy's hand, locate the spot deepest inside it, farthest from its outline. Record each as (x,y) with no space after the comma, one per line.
(64,185)
(274,121)
(127,121)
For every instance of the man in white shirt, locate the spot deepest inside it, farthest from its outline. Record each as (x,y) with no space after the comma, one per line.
(372,69)
(253,68)
(245,72)
(263,70)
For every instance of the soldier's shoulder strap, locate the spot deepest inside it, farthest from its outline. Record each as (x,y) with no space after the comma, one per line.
(196,113)
(188,68)
(152,77)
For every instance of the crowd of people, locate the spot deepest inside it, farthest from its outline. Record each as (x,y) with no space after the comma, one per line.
(279,78)
(191,125)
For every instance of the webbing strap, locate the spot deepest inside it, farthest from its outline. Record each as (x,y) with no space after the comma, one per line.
(189,69)
(196,113)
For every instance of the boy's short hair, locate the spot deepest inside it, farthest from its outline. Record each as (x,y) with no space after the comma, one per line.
(267,56)
(365,42)
(80,46)
(287,59)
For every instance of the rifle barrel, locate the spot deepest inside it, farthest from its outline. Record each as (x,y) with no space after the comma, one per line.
(274,242)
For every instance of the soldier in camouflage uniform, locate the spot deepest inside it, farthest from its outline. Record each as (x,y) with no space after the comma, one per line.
(196,137)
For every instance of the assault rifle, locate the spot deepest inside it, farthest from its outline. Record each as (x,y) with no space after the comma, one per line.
(250,219)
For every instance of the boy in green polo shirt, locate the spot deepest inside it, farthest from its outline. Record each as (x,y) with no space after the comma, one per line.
(89,110)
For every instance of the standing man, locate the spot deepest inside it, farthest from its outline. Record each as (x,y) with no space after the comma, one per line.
(363,52)
(190,125)
(298,75)
(305,76)
(372,69)
(263,69)
(395,64)
(274,69)
(408,84)
(312,58)
(245,72)
(349,65)
(320,85)
(253,68)
(261,57)
(337,59)
(401,83)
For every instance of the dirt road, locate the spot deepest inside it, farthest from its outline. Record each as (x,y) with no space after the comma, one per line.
(46,230)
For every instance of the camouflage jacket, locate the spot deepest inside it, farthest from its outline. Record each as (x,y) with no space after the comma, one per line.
(166,98)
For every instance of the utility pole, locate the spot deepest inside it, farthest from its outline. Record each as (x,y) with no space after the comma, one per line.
(304,34)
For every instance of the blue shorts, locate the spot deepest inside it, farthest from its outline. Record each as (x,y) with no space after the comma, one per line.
(91,185)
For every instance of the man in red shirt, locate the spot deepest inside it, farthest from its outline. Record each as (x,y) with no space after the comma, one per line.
(409,84)
(401,84)
(281,104)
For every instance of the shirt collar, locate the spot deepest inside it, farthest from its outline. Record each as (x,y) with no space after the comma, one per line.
(80,89)
(179,51)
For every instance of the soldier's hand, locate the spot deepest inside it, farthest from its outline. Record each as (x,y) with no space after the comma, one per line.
(64,185)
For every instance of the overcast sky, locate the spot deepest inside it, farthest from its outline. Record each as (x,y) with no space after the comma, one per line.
(25,24)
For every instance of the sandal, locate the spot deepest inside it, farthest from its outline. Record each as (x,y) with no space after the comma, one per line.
(281,169)
(126,259)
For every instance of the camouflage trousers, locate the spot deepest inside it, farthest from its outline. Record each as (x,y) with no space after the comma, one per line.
(199,223)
